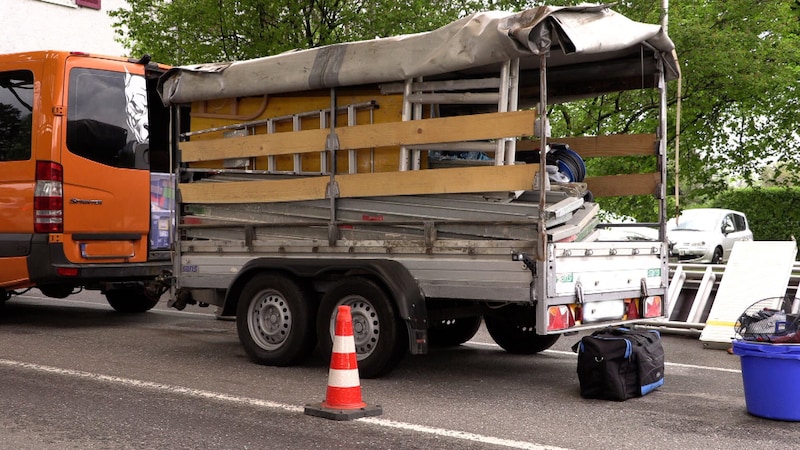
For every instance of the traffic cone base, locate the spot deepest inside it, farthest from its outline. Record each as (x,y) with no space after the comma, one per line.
(343,397)
(318,410)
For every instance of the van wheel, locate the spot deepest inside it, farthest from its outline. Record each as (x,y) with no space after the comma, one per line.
(515,337)
(131,299)
(379,336)
(453,332)
(274,321)
(56,290)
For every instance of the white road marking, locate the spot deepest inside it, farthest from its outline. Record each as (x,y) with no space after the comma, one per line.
(198,393)
(458,434)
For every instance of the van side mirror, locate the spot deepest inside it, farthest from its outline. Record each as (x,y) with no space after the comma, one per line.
(727,228)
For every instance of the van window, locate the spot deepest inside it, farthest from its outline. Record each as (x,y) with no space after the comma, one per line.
(107,116)
(16,113)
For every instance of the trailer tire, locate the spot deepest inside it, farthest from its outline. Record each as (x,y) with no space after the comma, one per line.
(131,300)
(517,338)
(378,334)
(274,321)
(453,332)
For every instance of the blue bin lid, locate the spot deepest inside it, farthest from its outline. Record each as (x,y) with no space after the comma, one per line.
(766,350)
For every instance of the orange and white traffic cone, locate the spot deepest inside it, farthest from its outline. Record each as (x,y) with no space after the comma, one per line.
(343,398)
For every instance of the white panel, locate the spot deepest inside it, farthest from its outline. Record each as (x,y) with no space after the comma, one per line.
(755,271)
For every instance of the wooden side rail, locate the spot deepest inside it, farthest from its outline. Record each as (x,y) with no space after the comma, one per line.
(629,184)
(416,132)
(610,145)
(430,181)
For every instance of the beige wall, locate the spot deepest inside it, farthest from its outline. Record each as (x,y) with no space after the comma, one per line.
(58,25)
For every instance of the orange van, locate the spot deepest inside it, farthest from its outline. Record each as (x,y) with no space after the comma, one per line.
(84,186)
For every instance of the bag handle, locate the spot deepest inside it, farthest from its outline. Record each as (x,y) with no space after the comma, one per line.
(623,331)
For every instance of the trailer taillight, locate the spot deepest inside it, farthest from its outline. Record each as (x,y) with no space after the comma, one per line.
(631,309)
(559,318)
(48,198)
(652,306)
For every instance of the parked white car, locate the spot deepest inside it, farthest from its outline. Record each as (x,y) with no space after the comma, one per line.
(706,234)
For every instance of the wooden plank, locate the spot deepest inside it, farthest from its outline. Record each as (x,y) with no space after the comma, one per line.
(618,185)
(429,181)
(610,145)
(426,131)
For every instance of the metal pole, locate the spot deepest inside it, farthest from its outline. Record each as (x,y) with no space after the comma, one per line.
(502,106)
(541,253)
(333,188)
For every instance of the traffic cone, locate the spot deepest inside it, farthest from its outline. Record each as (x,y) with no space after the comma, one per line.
(343,397)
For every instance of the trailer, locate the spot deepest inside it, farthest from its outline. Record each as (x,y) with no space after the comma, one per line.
(413,178)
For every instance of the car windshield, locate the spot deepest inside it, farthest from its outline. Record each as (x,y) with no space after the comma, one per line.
(695,220)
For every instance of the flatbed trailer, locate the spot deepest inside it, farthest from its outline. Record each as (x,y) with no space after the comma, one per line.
(401,177)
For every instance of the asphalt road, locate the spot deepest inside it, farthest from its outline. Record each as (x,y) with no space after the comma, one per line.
(76,375)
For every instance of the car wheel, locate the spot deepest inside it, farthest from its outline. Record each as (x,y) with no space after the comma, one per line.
(716,258)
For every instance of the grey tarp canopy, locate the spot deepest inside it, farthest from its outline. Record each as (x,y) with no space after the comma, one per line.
(583,43)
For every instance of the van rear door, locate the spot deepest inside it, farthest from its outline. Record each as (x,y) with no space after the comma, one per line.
(16,168)
(106,179)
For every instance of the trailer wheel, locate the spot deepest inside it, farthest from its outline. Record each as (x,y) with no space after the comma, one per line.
(378,334)
(517,338)
(132,299)
(453,332)
(274,321)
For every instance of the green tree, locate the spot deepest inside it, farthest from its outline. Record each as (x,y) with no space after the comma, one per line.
(193,31)
(739,104)
(740,62)
(738,59)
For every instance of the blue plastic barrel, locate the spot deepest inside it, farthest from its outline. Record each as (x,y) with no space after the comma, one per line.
(771,378)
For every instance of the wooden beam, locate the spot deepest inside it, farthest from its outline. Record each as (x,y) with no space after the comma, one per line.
(416,132)
(610,145)
(429,181)
(619,185)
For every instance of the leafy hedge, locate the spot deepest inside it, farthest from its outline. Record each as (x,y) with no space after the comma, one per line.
(773,213)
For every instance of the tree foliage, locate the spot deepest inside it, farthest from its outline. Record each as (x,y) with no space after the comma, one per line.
(738,60)
(192,31)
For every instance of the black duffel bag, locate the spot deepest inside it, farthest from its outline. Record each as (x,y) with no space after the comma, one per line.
(618,363)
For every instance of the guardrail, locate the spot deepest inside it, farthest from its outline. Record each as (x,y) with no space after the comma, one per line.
(692,290)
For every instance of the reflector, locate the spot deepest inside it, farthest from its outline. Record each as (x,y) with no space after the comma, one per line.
(559,318)
(67,271)
(652,306)
(631,308)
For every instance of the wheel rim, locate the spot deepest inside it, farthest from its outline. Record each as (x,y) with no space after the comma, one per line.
(270,320)
(366,325)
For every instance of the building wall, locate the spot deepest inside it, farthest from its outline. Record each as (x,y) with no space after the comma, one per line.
(59,25)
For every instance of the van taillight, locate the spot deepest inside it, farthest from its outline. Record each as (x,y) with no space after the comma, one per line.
(48,198)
